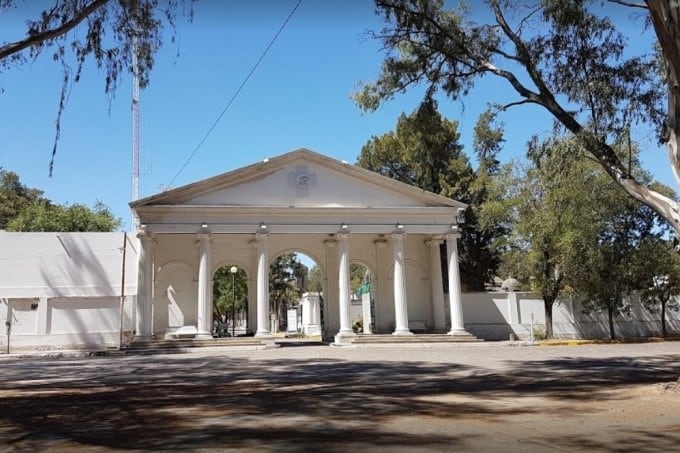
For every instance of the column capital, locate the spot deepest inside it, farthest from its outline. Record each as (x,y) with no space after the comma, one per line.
(400,236)
(434,242)
(330,242)
(259,237)
(203,236)
(452,235)
(343,236)
(144,235)
(380,242)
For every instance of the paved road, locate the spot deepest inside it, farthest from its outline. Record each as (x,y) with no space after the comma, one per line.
(481,397)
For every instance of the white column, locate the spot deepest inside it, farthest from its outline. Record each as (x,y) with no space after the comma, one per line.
(262,285)
(204,290)
(344,296)
(143,321)
(437,289)
(455,301)
(400,303)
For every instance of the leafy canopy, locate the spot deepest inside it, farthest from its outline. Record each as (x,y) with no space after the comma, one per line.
(26,209)
(566,56)
(424,151)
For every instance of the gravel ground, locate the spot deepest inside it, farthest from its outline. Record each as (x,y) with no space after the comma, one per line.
(474,397)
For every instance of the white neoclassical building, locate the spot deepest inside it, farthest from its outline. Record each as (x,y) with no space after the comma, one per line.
(302,201)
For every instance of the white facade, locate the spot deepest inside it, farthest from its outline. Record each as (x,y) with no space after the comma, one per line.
(64,289)
(298,202)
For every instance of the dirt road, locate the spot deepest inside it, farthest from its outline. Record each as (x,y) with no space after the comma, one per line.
(485,397)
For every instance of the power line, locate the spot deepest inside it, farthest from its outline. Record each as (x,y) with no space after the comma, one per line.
(238,91)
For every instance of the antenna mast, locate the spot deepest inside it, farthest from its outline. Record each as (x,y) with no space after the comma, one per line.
(135,125)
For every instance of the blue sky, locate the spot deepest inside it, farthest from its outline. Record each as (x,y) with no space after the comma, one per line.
(298,97)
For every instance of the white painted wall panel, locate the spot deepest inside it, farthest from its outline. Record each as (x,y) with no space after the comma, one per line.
(65,264)
(81,316)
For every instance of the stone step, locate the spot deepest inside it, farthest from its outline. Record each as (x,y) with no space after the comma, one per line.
(194,343)
(415,339)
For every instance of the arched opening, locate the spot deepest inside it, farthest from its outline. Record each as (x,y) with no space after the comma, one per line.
(296,294)
(230,301)
(362,315)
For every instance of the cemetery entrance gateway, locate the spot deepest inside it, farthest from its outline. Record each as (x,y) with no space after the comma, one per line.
(302,200)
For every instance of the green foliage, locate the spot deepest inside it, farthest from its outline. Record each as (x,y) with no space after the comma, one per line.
(423,151)
(661,279)
(315,279)
(287,282)
(14,196)
(26,209)
(574,230)
(549,202)
(615,265)
(228,297)
(357,277)
(540,334)
(45,216)
(566,56)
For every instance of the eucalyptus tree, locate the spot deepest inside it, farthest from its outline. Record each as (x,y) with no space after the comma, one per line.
(612,268)
(568,57)
(550,201)
(117,36)
(661,281)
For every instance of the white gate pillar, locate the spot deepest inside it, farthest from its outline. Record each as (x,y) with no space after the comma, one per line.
(143,313)
(455,301)
(205,310)
(344,293)
(437,289)
(400,302)
(262,285)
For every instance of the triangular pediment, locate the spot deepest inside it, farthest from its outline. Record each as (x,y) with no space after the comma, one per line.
(300,178)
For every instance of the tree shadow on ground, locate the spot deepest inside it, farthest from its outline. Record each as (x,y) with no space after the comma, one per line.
(165,403)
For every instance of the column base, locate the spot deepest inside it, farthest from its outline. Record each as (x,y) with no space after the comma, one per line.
(402,332)
(203,336)
(263,334)
(458,332)
(344,337)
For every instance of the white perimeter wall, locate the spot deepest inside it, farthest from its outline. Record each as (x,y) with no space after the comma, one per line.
(63,289)
(495,315)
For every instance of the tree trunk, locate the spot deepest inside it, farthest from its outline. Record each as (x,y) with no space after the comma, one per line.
(610,312)
(665,17)
(663,318)
(548,306)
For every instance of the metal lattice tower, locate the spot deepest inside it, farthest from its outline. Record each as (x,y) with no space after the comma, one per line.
(135,129)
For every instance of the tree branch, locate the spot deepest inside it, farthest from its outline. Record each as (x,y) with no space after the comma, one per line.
(16,47)
(513,104)
(631,4)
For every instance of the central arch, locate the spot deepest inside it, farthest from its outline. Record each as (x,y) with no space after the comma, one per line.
(296,292)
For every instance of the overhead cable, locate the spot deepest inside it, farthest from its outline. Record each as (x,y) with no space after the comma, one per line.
(233,98)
